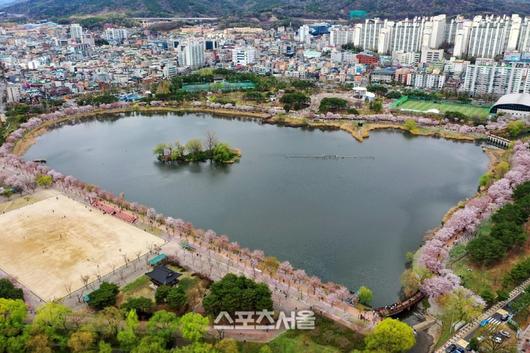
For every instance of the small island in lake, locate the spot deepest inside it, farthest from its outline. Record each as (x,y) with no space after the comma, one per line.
(195,151)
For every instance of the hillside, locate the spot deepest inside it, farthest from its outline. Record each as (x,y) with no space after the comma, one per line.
(278,8)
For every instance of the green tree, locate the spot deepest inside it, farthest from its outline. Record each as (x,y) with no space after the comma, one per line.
(104,296)
(150,344)
(196,347)
(233,293)
(376,105)
(160,148)
(365,295)
(488,296)
(295,101)
(486,250)
(227,345)
(222,153)
(104,347)
(176,297)
(141,305)
(107,321)
(194,148)
(265,349)
(459,306)
(410,124)
(332,104)
(12,324)
(81,341)
(515,127)
(193,326)
(161,294)
(127,336)
(39,343)
(9,291)
(51,321)
(163,324)
(390,336)
(44,181)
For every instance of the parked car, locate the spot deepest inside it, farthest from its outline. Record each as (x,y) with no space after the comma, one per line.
(504,333)
(451,348)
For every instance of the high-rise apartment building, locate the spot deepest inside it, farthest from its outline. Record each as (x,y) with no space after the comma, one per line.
(496,79)
(76,32)
(191,53)
(340,35)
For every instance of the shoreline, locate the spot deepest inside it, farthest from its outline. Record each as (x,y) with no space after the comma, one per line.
(352,127)
(359,133)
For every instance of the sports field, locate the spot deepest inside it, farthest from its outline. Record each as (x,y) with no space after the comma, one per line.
(424,106)
(48,245)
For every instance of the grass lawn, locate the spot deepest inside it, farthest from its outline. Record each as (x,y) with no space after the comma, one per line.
(140,287)
(327,337)
(423,106)
(138,283)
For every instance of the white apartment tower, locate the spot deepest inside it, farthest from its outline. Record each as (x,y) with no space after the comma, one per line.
(303,34)
(408,35)
(497,79)
(340,35)
(191,53)
(488,36)
(243,56)
(76,32)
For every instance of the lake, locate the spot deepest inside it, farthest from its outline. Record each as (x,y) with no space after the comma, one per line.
(348,220)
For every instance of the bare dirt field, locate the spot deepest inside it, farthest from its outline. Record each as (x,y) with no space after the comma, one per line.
(49,244)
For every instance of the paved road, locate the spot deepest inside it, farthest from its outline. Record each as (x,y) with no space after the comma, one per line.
(469,328)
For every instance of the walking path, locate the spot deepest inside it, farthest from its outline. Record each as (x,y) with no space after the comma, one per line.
(473,325)
(286,296)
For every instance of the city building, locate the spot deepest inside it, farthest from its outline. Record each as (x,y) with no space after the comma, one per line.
(191,53)
(516,105)
(243,56)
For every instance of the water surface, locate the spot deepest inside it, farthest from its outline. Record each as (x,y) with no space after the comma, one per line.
(349,220)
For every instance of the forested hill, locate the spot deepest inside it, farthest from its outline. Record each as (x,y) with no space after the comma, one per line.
(260,9)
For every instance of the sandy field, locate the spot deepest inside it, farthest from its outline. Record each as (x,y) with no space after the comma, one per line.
(48,245)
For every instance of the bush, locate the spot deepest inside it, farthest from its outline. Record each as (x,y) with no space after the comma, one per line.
(104,296)
(233,293)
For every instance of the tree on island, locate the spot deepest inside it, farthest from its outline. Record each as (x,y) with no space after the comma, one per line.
(195,151)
